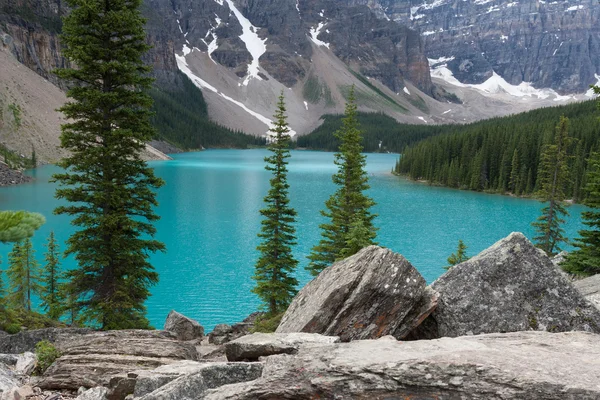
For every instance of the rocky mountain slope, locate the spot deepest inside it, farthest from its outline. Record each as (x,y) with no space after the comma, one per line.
(243,53)
(549,44)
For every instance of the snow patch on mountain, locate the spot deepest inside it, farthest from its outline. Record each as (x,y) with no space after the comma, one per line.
(314,33)
(493,85)
(591,93)
(254,44)
(183,66)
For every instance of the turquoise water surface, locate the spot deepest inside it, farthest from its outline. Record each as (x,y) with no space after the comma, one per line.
(209,208)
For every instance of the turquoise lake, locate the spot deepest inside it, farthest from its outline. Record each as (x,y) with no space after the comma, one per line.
(210,217)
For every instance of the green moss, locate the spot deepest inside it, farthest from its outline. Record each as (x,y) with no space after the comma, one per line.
(267,323)
(46,354)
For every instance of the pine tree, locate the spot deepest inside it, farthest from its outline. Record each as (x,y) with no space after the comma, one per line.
(109,186)
(553,174)
(23,274)
(51,275)
(585,260)
(459,256)
(514,172)
(350,225)
(275,284)
(19,225)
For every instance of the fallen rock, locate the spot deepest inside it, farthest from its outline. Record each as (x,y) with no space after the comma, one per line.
(9,359)
(26,363)
(521,365)
(208,376)
(147,381)
(8,380)
(183,327)
(590,289)
(251,347)
(223,333)
(511,286)
(96,393)
(26,340)
(92,360)
(365,296)
(20,393)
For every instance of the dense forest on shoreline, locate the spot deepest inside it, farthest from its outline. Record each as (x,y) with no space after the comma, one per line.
(377,128)
(182,120)
(502,154)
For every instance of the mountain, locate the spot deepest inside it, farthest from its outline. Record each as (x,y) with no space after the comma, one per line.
(243,53)
(548,44)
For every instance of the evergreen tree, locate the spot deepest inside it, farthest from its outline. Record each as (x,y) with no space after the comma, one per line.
(350,225)
(109,186)
(69,304)
(459,256)
(586,259)
(50,295)
(553,174)
(275,284)
(19,225)
(514,172)
(23,274)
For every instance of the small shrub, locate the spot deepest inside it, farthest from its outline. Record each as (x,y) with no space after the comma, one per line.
(267,323)
(12,328)
(46,354)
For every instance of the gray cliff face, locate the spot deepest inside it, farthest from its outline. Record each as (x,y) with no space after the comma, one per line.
(379,49)
(548,43)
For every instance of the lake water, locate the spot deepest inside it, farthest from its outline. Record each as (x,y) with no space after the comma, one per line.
(210,217)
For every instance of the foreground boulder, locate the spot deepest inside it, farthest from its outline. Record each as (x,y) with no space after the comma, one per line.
(206,376)
(251,347)
(511,286)
(590,289)
(94,359)
(183,327)
(521,365)
(373,293)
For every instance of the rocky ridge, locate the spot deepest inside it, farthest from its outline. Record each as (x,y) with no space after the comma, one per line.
(548,44)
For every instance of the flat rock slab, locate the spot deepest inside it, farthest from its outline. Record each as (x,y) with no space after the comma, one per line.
(92,360)
(207,376)
(511,286)
(520,365)
(251,347)
(365,296)
(26,340)
(590,289)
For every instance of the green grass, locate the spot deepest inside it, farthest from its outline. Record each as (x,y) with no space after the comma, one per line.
(375,89)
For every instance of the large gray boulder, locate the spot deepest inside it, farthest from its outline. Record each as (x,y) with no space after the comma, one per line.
(251,347)
(94,359)
(371,294)
(511,286)
(521,365)
(207,376)
(183,327)
(590,289)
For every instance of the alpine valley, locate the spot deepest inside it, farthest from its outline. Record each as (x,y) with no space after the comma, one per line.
(431,62)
